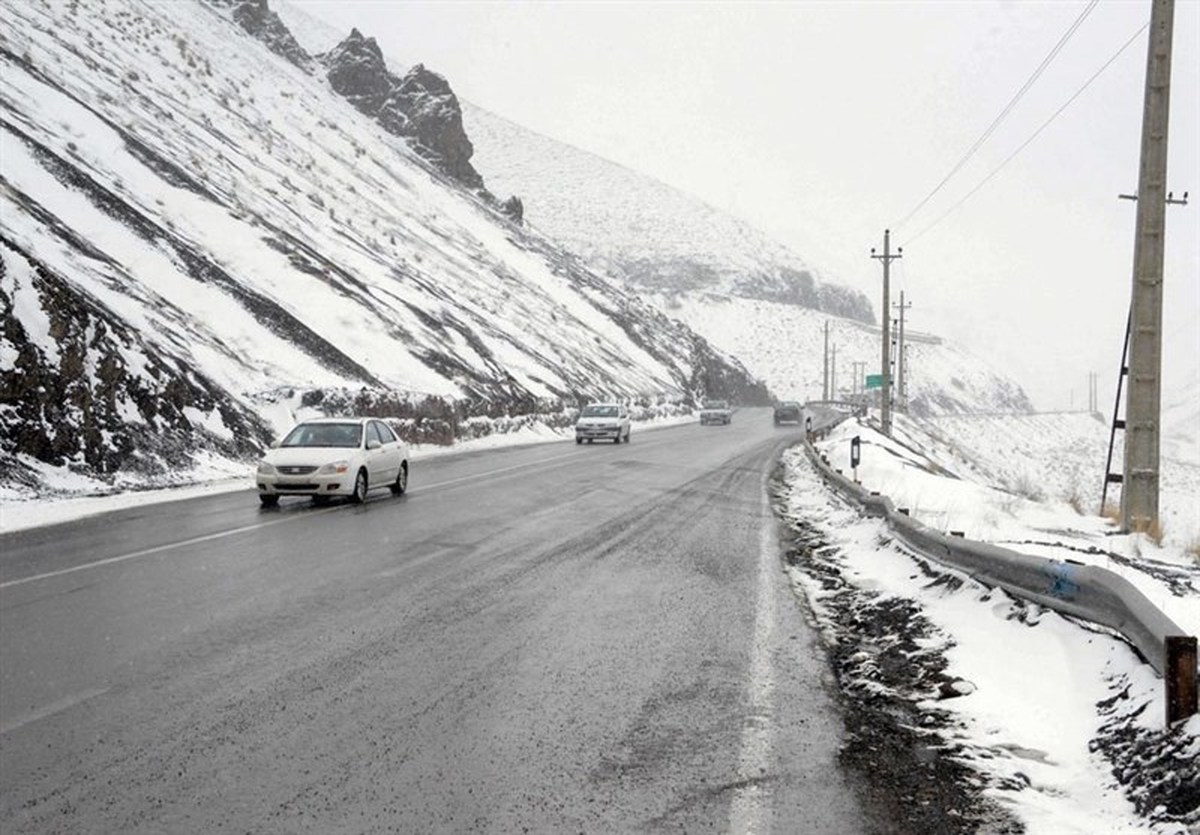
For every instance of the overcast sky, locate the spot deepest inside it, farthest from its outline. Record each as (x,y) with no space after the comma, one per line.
(825,123)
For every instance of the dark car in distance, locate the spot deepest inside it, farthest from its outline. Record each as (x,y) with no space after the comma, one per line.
(788,411)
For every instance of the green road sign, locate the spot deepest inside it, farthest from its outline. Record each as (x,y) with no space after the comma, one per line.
(874,381)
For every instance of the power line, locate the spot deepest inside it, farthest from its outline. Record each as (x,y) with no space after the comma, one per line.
(1034,136)
(1007,109)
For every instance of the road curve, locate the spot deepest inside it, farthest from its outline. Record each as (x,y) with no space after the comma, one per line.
(548,639)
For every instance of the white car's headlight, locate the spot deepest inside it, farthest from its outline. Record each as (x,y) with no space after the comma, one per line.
(334,468)
(265,469)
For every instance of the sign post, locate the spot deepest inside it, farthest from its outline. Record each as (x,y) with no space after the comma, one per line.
(855,455)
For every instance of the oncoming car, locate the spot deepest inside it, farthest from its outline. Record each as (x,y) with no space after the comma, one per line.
(602,421)
(789,411)
(716,411)
(333,457)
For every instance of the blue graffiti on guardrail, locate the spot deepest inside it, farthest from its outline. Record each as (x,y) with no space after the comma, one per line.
(1063,585)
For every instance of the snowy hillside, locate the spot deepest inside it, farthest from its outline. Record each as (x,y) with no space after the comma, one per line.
(653,236)
(1060,458)
(196,227)
(784,346)
(738,288)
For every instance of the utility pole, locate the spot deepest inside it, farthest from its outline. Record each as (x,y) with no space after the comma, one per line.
(833,374)
(1139,496)
(885,399)
(902,360)
(825,372)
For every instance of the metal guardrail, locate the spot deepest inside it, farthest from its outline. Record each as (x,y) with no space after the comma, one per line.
(1083,591)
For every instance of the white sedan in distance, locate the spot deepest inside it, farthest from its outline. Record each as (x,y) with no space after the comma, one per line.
(333,457)
(602,421)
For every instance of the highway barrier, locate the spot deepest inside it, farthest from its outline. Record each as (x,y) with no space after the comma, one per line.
(1083,591)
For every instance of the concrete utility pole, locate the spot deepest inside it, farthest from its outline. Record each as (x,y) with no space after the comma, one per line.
(902,360)
(1139,496)
(885,396)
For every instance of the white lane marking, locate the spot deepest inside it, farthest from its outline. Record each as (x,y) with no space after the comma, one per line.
(158,549)
(750,809)
(170,546)
(51,709)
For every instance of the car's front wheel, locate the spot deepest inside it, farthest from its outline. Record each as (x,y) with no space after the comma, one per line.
(401,482)
(360,488)
(268,500)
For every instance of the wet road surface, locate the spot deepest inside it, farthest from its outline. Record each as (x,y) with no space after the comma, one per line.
(553,638)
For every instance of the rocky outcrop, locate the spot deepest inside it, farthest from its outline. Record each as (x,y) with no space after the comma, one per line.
(84,390)
(420,106)
(514,208)
(256,18)
(358,73)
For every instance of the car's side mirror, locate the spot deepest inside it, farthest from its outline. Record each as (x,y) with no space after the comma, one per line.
(275,443)
(373,444)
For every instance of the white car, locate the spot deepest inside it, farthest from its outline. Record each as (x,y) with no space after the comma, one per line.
(716,411)
(333,457)
(603,421)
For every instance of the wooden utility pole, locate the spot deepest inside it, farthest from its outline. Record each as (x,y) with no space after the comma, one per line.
(885,395)
(902,361)
(1139,494)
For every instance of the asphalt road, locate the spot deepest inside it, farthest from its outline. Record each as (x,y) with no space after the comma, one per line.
(553,638)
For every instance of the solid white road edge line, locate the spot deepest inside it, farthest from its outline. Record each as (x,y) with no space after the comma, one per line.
(750,808)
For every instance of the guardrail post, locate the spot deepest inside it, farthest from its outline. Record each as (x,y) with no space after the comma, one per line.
(1180,677)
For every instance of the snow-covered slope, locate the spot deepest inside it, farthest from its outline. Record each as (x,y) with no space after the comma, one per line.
(743,291)
(653,236)
(1060,457)
(194,227)
(784,346)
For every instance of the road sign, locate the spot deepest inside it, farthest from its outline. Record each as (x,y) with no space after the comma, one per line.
(855,451)
(874,381)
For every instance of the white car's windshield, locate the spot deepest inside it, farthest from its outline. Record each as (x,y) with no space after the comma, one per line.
(325,434)
(714,404)
(599,411)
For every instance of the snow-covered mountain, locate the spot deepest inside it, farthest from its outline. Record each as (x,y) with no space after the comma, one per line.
(746,293)
(201,224)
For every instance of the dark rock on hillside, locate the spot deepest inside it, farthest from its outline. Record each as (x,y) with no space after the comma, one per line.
(434,120)
(420,106)
(91,394)
(784,285)
(798,287)
(358,73)
(256,18)
(514,208)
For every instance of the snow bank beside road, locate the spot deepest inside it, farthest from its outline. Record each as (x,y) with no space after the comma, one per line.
(1050,711)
